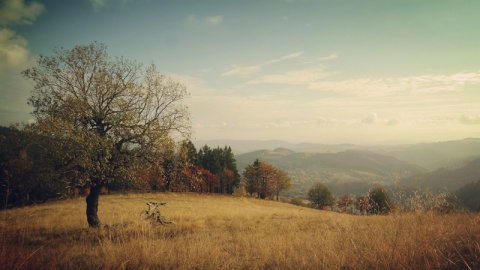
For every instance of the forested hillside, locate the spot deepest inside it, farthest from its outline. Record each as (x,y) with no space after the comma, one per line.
(355,171)
(435,155)
(450,179)
(469,196)
(350,171)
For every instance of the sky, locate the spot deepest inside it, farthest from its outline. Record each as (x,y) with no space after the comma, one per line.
(296,70)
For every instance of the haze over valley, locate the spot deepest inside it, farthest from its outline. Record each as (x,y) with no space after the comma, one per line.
(354,169)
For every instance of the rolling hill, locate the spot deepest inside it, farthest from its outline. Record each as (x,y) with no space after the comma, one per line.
(246,146)
(350,166)
(434,155)
(448,178)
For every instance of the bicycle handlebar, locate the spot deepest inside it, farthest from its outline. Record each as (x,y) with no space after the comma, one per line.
(156,203)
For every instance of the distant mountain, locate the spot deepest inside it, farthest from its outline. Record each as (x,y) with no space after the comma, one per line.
(451,178)
(245,146)
(434,155)
(351,166)
(354,161)
(469,196)
(428,155)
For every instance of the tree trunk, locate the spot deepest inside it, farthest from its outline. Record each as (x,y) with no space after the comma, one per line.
(92,206)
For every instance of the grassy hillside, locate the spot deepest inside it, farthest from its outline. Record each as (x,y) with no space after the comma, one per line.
(219,232)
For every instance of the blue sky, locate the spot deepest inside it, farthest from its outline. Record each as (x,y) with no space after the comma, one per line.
(296,70)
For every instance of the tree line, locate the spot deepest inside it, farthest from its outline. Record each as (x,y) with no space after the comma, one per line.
(377,201)
(206,170)
(382,200)
(35,168)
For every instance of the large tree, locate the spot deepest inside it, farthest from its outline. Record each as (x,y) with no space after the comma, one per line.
(112,114)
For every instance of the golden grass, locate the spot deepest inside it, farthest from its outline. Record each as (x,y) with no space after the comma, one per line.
(221,232)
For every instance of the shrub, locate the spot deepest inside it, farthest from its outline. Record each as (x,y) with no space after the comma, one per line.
(297,201)
(379,201)
(321,196)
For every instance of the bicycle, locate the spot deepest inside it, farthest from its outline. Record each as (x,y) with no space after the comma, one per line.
(153,213)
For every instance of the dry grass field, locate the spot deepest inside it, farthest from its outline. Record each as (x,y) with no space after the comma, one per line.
(220,232)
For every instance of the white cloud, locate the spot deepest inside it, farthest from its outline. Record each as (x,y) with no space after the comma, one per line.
(15,57)
(370,119)
(98,4)
(14,89)
(283,58)
(214,19)
(247,70)
(422,84)
(13,51)
(242,71)
(16,12)
(211,20)
(406,108)
(373,119)
(470,120)
(329,57)
(294,77)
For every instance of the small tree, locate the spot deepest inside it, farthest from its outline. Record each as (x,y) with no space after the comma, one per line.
(362,204)
(379,201)
(109,116)
(346,204)
(297,201)
(320,195)
(265,180)
(251,174)
(280,182)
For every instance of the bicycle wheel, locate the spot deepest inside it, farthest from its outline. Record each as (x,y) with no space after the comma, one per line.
(144,215)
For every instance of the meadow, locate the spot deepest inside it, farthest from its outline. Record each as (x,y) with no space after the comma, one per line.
(226,232)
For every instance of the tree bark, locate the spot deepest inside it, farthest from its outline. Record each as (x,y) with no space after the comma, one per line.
(92,206)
